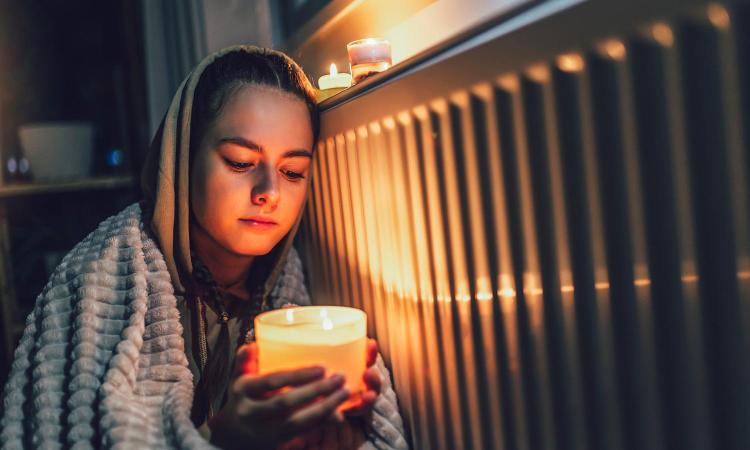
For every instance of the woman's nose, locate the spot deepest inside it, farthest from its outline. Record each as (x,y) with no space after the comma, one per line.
(268,200)
(266,193)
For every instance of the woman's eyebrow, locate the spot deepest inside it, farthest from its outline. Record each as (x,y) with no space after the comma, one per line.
(242,142)
(250,145)
(298,152)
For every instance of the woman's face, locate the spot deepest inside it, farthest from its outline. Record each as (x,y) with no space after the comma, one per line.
(249,178)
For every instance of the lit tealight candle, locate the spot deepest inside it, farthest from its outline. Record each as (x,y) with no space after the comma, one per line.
(368,56)
(334,337)
(335,80)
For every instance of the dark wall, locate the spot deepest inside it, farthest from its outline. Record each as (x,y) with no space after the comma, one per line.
(79,60)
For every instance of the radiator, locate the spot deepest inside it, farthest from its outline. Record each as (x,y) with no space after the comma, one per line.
(547,225)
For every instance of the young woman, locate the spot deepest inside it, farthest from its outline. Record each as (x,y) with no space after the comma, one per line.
(142,337)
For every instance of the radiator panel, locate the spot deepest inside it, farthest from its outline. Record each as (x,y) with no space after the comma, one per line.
(553,252)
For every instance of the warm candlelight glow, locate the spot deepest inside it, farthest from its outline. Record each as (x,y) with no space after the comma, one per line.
(614,49)
(538,73)
(331,336)
(509,83)
(570,62)
(718,16)
(662,34)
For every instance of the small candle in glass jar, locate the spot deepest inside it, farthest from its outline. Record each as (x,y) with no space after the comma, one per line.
(368,57)
(334,337)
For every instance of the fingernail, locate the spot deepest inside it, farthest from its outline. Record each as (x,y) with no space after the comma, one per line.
(343,393)
(337,378)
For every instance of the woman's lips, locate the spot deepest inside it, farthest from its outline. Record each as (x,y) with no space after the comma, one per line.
(259,223)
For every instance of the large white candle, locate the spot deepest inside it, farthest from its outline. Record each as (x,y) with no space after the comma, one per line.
(334,337)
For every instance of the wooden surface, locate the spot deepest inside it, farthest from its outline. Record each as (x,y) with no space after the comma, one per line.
(32,188)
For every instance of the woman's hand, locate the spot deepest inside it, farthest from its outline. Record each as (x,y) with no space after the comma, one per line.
(350,433)
(371,378)
(373,382)
(268,411)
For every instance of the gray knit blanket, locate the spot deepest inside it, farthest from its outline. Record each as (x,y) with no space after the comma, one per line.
(102,361)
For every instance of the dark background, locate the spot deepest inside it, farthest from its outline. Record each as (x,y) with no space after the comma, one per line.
(67,61)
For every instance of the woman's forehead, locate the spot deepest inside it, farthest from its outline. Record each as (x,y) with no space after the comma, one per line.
(267,116)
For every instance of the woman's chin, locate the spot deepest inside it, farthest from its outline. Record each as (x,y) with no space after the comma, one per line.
(253,249)
(253,242)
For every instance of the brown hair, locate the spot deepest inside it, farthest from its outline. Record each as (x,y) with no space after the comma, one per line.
(230,72)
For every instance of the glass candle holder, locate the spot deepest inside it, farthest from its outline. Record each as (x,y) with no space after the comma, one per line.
(334,337)
(368,57)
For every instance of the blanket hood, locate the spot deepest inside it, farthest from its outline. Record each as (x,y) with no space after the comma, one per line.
(165,185)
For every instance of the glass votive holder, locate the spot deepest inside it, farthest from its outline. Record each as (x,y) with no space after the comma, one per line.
(368,57)
(334,337)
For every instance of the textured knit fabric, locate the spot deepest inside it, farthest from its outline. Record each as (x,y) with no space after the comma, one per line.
(102,362)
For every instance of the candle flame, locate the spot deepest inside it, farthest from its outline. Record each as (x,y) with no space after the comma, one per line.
(290,315)
(327,324)
(334,71)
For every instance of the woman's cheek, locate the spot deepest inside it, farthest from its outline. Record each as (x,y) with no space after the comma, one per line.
(214,206)
(296,197)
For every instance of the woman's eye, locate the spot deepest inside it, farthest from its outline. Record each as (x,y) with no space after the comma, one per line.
(293,175)
(238,166)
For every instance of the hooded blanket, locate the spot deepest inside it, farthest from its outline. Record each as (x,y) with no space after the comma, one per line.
(102,360)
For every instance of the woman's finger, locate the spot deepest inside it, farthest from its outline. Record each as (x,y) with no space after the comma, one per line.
(246,360)
(257,386)
(315,414)
(372,380)
(372,352)
(363,406)
(286,403)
